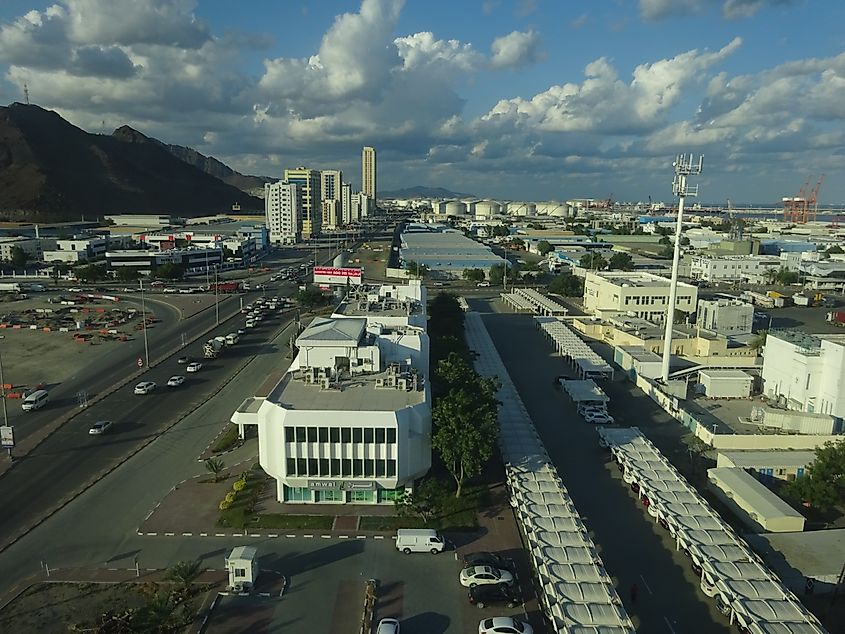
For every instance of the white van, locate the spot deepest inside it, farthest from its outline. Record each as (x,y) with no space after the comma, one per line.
(419,540)
(36,400)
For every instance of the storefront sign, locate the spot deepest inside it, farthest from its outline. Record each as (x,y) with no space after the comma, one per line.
(342,485)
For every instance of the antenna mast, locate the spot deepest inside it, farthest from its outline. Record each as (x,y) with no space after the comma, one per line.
(26,93)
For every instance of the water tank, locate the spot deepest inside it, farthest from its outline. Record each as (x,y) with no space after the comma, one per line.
(456,208)
(522,209)
(487,209)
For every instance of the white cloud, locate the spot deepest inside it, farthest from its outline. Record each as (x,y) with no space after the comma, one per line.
(424,50)
(515,49)
(731,9)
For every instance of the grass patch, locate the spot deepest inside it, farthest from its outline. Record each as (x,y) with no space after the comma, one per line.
(280,520)
(227,440)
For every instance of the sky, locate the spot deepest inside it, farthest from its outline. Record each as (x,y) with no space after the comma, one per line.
(506,99)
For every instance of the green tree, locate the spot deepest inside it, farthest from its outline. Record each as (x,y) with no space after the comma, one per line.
(684,241)
(91,272)
(18,257)
(567,285)
(310,297)
(759,342)
(184,573)
(465,428)
(473,275)
(416,269)
(667,252)
(592,261)
(785,276)
(823,484)
(425,502)
(169,271)
(544,247)
(215,466)
(665,241)
(127,274)
(621,262)
(496,274)
(500,231)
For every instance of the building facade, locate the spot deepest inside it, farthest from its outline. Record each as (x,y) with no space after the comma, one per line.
(31,246)
(725,316)
(805,372)
(368,173)
(642,295)
(346,203)
(331,190)
(729,268)
(308,183)
(350,421)
(194,260)
(283,212)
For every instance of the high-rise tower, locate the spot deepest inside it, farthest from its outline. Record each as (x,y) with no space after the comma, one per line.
(368,172)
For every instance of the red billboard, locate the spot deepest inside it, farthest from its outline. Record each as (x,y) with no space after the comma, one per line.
(335,275)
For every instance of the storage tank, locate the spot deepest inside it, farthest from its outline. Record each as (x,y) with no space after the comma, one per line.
(487,209)
(438,207)
(522,209)
(456,208)
(470,206)
(551,208)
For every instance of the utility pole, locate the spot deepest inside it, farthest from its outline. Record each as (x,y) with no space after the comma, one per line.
(216,296)
(683,167)
(3,394)
(144,322)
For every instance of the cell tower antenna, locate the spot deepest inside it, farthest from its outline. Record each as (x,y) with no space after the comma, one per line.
(26,93)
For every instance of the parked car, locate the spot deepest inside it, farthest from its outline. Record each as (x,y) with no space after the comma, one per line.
(598,418)
(145,387)
(196,366)
(494,560)
(388,626)
(487,595)
(504,625)
(482,575)
(100,427)
(175,380)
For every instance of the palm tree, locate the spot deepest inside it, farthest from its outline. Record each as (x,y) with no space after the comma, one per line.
(215,466)
(185,572)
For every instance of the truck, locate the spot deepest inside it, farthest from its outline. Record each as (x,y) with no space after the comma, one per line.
(10,287)
(211,349)
(836,317)
(225,287)
(232,338)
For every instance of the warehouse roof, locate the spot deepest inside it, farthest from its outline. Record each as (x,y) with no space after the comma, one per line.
(769,459)
(738,483)
(738,375)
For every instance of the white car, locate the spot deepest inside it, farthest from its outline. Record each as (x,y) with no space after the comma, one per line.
(478,575)
(100,427)
(145,387)
(249,324)
(504,625)
(483,284)
(196,366)
(388,626)
(175,381)
(598,418)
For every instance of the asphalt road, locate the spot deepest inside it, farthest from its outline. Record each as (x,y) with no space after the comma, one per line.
(635,550)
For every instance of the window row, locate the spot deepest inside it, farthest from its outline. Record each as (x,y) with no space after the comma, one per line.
(341,467)
(341,434)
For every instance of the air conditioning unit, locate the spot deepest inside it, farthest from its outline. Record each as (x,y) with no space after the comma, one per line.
(380,382)
(402,384)
(325,383)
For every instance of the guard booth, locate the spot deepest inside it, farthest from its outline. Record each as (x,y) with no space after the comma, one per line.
(242,566)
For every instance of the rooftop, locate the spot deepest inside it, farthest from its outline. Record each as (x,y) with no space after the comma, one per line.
(325,331)
(366,306)
(637,280)
(738,375)
(754,493)
(768,459)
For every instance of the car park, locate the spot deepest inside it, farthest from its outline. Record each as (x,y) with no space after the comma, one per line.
(145,387)
(480,575)
(388,626)
(196,366)
(100,427)
(493,594)
(484,558)
(504,625)
(175,380)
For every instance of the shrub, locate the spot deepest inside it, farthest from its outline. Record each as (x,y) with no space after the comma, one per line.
(224,504)
(230,497)
(239,485)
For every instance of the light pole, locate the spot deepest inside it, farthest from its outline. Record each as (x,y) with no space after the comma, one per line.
(216,304)
(144,323)
(3,394)
(683,167)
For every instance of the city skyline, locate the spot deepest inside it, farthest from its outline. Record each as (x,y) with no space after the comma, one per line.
(507,100)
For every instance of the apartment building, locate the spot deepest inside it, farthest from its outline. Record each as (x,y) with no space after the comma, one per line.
(368,173)
(642,295)
(283,212)
(308,185)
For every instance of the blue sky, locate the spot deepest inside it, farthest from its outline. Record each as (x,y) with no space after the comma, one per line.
(511,99)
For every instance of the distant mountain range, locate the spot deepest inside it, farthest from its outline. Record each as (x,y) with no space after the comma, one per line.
(420,191)
(50,170)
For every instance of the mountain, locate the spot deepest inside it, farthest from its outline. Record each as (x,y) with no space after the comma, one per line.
(420,191)
(207,164)
(50,170)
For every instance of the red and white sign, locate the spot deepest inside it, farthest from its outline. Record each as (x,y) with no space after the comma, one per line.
(332,275)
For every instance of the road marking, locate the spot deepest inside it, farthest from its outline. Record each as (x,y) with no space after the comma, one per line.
(290,535)
(255,535)
(669,625)
(187,534)
(326,536)
(203,534)
(273,535)
(645,583)
(150,569)
(152,533)
(360,537)
(378,536)
(169,534)
(308,536)
(343,536)
(116,568)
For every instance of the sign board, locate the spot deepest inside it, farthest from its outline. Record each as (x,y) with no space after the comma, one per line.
(342,485)
(7,436)
(334,275)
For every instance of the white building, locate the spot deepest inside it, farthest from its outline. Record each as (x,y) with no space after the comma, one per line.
(368,173)
(77,250)
(194,260)
(31,246)
(725,316)
(350,421)
(331,190)
(805,372)
(726,268)
(283,211)
(642,295)
(346,203)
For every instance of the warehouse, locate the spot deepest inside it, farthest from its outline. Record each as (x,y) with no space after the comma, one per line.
(768,465)
(444,251)
(725,383)
(752,502)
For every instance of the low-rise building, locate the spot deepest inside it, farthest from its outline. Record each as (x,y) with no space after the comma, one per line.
(642,295)
(31,246)
(768,465)
(725,316)
(350,420)
(752,502)
(147,261)
(729,268)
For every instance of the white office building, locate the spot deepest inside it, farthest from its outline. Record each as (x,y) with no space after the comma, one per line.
(642,295)
(350,421)
(725,316)
(283,211)
(728,268)
(805,372)
(346,203)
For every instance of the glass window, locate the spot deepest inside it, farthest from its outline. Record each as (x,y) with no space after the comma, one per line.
(369,467)
(369,434)
(334,434)
(324,467)
(329,495)
(357,467)
(313,467)
(297,494)
(391,436)
(300,434)
(345,434)
(391,468)
(390,495)
(362,496)
(290,434)
(291,466)
(301,466)
(379,435)
(324,434)
(357,434)
(334,467)
(312,434)
(379,468)
(346,467)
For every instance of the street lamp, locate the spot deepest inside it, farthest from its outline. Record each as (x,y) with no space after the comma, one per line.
(144,323)
(216,301)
